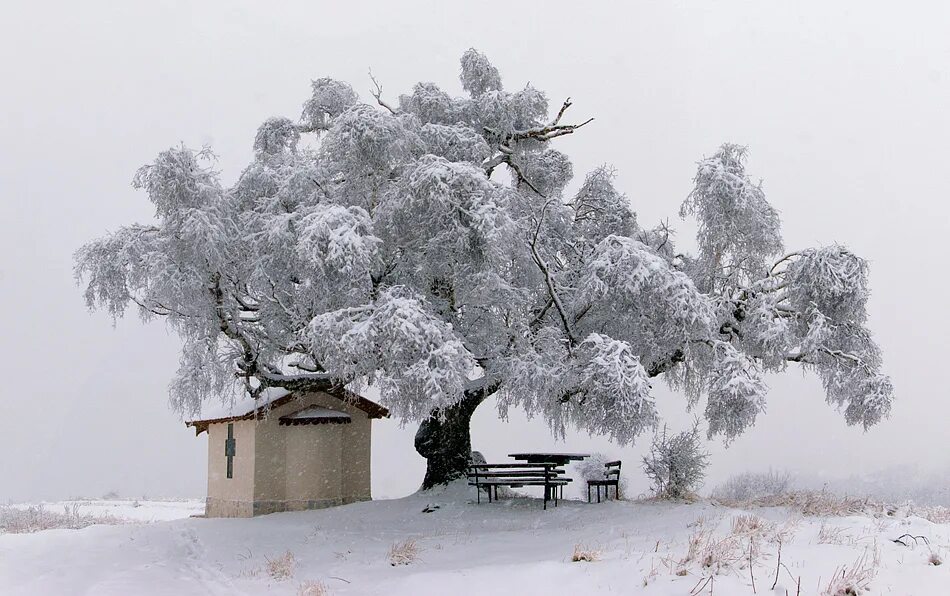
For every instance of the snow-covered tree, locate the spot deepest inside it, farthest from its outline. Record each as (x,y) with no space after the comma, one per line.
(431,247)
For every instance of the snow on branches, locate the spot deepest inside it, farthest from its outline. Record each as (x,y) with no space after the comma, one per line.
(738,229)
(377,242)
(417,359)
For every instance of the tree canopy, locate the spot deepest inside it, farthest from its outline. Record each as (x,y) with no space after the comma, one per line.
(430,246)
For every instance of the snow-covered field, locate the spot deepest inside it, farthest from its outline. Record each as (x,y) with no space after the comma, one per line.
(459,548)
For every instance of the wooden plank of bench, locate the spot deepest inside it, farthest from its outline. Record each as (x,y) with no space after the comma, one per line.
(515,481)
(540,474)
(521,465)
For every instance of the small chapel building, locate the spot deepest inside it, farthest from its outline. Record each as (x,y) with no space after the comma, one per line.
(288,451)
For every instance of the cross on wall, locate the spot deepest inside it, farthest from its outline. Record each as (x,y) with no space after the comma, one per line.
(229,450)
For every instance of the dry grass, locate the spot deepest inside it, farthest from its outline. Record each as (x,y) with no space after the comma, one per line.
(936,514)
(832,535)
(283,567)
(825,504)
(313,588)
(35,518)
(851,581)
(404,553)
(934,559)
(711,552)
(752,525)
(585,554)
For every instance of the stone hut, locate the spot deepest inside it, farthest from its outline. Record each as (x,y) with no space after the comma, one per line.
(288,451)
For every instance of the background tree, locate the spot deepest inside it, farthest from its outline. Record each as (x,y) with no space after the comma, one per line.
(430,247)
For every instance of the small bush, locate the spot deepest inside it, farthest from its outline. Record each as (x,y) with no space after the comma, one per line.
(676,463)
(403,553)
(584,554)
(750,486)
(282,567)
(934,559)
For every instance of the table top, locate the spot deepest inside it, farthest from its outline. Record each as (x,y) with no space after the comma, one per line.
(549,455)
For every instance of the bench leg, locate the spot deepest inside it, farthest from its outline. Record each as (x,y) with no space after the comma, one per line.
(588,493)
(598,493)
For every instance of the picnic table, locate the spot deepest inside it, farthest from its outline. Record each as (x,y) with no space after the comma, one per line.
(561,459)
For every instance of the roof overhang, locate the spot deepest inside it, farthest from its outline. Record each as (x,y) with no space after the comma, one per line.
(258,412)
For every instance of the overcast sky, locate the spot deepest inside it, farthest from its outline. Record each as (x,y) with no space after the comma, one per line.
(846,111)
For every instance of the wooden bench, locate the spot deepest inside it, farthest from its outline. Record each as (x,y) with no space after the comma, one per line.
(611,478)
(491,476)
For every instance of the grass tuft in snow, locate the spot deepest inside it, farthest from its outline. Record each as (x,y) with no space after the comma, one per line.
(853,580)
(934,559)
(585,554)
(832,535)
(404,553)
(283,567)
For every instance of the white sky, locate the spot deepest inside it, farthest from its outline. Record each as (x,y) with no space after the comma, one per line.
(844,106)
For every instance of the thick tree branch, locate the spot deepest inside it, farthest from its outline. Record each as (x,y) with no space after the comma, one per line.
(549,280)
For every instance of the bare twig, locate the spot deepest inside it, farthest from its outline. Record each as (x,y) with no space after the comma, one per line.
(900,540)
(777,565)
(378,94)
(751,568)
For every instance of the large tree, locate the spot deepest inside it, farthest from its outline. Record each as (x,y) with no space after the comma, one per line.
(429,247)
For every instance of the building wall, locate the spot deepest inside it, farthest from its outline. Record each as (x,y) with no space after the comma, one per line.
(357,444)
(290,467)
(231,497)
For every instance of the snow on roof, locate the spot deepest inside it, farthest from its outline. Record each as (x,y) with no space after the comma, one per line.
(246,407)
(239,406)
(315,412)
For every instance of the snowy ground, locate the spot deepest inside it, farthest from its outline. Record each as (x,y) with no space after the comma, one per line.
(510,547)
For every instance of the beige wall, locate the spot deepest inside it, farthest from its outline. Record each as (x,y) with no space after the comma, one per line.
(314,463)
(280,468)
(231,497)
(357,437)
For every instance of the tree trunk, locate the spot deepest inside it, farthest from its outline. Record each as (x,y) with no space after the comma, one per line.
(445,440)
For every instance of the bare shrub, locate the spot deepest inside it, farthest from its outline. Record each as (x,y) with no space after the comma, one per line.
(749,486)
(403,553)
(283,567)
(934,559)
(585,554)
(850,581)
(35,518)
(313,588)
(676,463)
